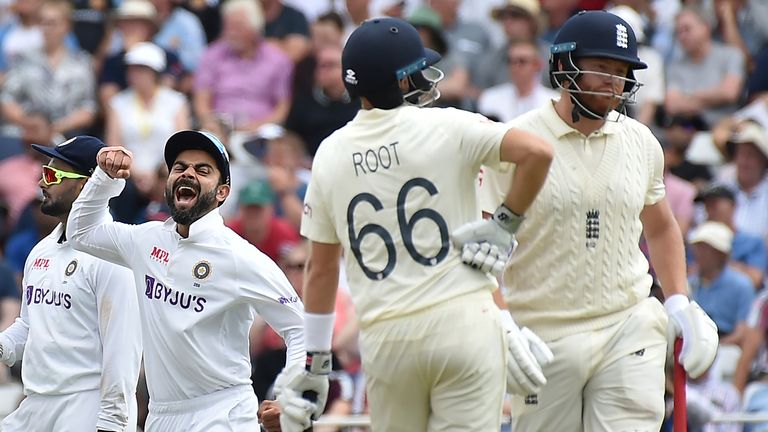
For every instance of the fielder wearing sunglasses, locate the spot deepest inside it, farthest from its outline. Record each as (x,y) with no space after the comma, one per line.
(53,176)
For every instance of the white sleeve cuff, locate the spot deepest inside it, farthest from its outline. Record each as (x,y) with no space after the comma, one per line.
(318,331)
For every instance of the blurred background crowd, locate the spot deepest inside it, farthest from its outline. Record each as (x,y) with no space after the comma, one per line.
(266,76)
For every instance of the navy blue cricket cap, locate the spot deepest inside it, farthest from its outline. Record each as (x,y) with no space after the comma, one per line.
(380,52)
(198,140)
(79,152)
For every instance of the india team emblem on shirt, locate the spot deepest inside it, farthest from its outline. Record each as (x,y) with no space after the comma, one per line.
(202,270)
(71,267)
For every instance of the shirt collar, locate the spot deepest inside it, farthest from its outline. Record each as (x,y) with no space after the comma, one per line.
(209,221)
(560,128)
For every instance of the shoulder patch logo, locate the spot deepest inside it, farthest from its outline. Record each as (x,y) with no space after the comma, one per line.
(622,38)
(71,267)
(202,270)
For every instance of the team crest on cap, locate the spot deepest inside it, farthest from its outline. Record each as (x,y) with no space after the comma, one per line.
(202,270)
(71,267)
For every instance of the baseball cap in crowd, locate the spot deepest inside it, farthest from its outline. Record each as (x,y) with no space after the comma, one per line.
(715,234)
(198,140)
(257,192)
(530,8)
(716,191)
(752,133)
(426,18)
(146,54)
(79,152)
(137,10)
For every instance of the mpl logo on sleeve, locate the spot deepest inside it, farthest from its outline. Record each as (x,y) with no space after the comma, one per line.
(41,264)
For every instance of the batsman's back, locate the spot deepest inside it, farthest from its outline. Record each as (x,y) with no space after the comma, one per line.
(390,186)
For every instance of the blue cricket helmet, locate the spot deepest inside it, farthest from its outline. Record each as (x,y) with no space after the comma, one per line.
(379,53)
(599,34)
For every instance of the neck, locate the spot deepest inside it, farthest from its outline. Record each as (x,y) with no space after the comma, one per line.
(271,10)
(710,273)
(564,108)
(146,94)
(334,93)
(359,16)
(701,51)
(183,230)
(525,89)
(747,185)
(54,50)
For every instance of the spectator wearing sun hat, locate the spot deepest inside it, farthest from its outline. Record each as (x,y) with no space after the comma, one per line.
(143,116)
(725,294)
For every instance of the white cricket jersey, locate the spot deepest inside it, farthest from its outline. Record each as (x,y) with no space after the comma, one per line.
(391,186)
(78,330)
(198,296)
(578,266)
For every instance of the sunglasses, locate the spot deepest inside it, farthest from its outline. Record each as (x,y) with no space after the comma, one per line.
(53,176)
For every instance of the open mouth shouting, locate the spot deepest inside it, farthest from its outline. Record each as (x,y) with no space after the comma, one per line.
(185,194)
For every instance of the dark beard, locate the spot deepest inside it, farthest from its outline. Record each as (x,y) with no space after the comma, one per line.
(53,208)
(204,204)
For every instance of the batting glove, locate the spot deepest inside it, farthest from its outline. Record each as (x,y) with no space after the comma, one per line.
(302,392)
(487,245)
(527,356)
(699,333)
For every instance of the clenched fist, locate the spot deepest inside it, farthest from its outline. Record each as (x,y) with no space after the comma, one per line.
(115,161)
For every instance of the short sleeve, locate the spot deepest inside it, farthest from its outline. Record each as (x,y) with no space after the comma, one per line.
(316,222)
(656,190)
(480,138)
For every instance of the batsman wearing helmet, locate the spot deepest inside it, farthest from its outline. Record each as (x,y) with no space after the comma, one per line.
(578,278)
(387,189)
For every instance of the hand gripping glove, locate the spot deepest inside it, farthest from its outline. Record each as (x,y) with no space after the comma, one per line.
(527,356)
(302,392)
(699,333)
(486,245)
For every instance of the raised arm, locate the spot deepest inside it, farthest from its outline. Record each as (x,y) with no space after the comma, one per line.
(89,227)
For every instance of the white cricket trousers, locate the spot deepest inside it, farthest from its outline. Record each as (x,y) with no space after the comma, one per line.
(441,369)
(233,409)
(75,412)
(608,380)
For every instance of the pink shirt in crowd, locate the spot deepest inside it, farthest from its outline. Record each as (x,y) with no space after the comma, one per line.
(248,89)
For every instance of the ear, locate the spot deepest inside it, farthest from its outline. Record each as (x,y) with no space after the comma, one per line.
(222,192)
(405,86)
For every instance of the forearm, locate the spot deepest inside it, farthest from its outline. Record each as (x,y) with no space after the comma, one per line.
(753,273)
(529,177)
(750,345)
(725,93)
(293,208)
(13,113)
(13,340)
(278,115)
(78,119)
(668,259)
(9,310)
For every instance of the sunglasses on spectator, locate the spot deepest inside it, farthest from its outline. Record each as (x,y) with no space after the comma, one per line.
(53,176)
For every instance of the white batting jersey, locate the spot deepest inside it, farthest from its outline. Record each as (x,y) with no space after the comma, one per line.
(198,296)
(578,266)
(78,330)
(390,186)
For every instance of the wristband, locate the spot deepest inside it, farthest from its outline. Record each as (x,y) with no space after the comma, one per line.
(676,302)
(507,219)
(318,331)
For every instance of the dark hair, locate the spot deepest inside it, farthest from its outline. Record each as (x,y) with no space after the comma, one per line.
(332,18)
